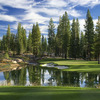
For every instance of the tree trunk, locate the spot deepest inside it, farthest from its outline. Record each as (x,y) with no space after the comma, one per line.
(65,56)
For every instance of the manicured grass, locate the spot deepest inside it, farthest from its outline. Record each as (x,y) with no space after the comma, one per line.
(48,93)
(74,65)
(68,62)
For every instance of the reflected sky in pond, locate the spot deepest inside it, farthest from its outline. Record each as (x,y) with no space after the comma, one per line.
(37,76)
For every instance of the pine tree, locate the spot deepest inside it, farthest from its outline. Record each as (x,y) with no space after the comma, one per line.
(82,42)
(4,43)
(51,36)
(59,38)
(77,38)
(7,42)
(89,35)
(72,41)
(13,43)
(97,41)
(44,45)
(8,38)
(36,39)
(24,39)
(66,34)
(19,40)
(29,42)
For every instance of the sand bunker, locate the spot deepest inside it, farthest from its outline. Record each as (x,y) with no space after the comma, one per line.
(51,65)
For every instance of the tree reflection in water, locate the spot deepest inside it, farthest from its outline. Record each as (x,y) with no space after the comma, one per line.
(37,76)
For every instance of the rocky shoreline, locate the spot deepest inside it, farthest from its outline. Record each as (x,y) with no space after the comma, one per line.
(15,64)
(9,65)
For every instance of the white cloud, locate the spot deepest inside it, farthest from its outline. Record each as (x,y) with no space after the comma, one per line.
(3,27)
(8,18)
(24,4)
(82,23)
(27,26)
(43,29)
(88,3)
(74,13)
(56,3)
(50,8)
(95,21)
(0,38)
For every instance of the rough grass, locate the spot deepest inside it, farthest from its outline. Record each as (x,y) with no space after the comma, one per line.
(74,65)
(48,93)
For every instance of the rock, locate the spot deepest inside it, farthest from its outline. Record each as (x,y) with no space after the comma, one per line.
(19,60)
(14,68)
(6,60)
(14,62)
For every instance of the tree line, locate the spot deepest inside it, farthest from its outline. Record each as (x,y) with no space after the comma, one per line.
(66,42)
(69,42)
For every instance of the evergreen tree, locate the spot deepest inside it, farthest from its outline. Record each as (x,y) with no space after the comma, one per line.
(13,43)
(72,41)
(59,39)
(24,39)
(4,43)
(8,38)
(65,34)
(7,42)
(89,35)
(44,45)
(19,39)
(51,36)
(82,42)
(77,38)
(36,39)
(29,42)
(97,41)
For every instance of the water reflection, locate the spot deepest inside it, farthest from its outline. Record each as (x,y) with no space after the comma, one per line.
(36,76)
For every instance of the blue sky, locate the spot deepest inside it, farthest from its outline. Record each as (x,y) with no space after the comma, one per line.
(29,12)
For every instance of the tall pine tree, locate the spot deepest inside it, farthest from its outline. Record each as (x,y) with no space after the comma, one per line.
(97,41)
(51,36)
(36,39)
(89,34)
(29,43)
(65,34)
(19,39)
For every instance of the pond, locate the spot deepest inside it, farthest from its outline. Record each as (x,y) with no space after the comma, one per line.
(37,76)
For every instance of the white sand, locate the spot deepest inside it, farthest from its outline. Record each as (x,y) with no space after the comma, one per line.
(52,65)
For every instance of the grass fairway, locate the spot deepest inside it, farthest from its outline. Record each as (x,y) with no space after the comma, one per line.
(48,93)
(75,65)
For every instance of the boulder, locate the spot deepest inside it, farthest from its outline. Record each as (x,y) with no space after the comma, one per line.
(14,62)
(6,60)
(19,60)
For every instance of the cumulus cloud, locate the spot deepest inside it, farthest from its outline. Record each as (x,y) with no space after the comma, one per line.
(23,4)
(56,3)
(88,3)
(8,18)
(42,11)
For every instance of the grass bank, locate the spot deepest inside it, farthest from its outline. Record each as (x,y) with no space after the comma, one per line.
(48,93)
(74,65)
